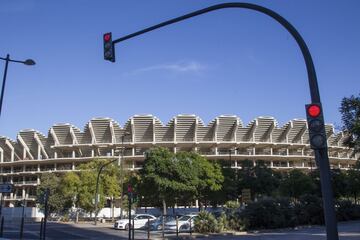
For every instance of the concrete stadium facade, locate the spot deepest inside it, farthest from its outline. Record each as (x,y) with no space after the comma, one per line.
(225,138)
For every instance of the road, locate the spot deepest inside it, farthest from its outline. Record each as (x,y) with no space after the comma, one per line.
(57,231)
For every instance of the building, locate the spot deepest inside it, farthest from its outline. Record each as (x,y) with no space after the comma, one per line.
(225,138)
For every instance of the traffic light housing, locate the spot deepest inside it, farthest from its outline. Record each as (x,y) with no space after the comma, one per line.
(316,126)
(109,50)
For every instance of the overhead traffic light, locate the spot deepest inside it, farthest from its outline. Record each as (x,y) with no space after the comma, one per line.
(315,119)
(109,50)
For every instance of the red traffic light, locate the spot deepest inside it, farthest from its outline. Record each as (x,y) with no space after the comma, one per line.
(314,110)
(129,189)
(107,37)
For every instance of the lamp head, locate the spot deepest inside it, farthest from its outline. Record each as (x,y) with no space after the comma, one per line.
(29,62)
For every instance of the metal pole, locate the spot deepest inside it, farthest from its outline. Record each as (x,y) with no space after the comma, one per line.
(163,226)
(4,81)
(2,227)
(96,194)
(148,229)
(1,203)
(47,193)
(133,229)
(177,226)
(41,228)
(321,156)
(327,193)
(122,176)
(97,188)
(129,199)
(22,221)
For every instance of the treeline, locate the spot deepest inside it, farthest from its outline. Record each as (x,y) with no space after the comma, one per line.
(168,179)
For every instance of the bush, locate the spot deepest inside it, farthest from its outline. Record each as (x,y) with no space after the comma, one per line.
(268,213)
(232,205)
(346,210)
(205,222)
(309,210)
(235,221)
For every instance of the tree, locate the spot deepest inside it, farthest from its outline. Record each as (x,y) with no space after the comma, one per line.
(207,177)
(353,181)
(57,203)
(260,179)
(167,177)
(295,184)
(350,110)
(162,179)
(80,186)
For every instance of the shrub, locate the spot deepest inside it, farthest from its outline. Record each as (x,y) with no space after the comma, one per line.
(268,213)
(235,221)
(346,210)
(309,210)
(232,204)
(205,222)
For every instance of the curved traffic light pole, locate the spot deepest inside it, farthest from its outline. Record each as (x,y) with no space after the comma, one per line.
(321,155)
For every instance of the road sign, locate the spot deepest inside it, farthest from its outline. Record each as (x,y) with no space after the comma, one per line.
(6,188)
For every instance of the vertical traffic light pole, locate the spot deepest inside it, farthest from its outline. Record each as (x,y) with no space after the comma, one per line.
(321,155)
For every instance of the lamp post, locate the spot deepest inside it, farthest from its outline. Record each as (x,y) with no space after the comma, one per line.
(28,62)
(121,171)
(321,154)
(99,173)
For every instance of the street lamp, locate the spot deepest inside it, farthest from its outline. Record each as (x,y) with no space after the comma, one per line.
(321,153)
(99,173)
(28,62)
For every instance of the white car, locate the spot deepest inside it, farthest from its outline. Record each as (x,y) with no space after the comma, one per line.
(184,223)
(140,220)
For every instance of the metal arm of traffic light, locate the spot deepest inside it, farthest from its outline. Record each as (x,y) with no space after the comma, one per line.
(314,89)
(320,154)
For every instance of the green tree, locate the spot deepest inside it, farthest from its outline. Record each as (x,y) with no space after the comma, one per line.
(295,184)
(350,110)
(353,181)
(339,183)
(167,177)
(80,187)
(57,203)
(260,179)
(162,179)
(205,176)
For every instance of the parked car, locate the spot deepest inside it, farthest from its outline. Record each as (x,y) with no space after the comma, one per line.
(184,223)
(157,224)
(140,221)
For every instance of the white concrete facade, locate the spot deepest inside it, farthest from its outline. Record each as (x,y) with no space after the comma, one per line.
(225,138)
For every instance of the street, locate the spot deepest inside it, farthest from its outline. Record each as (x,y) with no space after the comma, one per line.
(347,231)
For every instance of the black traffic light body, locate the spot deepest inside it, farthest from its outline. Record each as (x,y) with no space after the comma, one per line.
(316,126)
(109,50)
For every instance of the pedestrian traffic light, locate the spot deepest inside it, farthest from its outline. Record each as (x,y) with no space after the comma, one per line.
(315,119)
(109,50)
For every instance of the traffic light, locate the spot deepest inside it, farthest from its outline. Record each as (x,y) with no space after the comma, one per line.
(109,50)
(316,126)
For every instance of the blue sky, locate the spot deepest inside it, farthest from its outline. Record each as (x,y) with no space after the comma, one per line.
(231,61)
